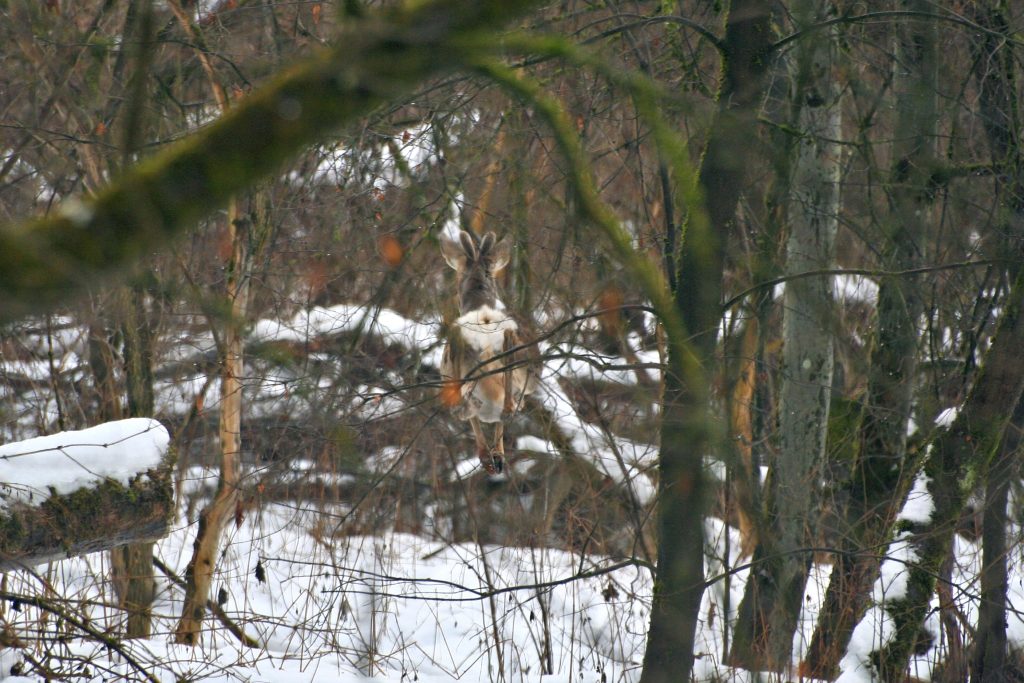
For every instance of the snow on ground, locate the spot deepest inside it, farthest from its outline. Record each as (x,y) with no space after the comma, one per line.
(398,607)
(847,288)
(395,607)
(327,606)
(625,461)
(579,363)
(320,321)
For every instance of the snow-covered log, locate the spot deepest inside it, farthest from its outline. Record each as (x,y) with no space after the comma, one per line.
(79,492)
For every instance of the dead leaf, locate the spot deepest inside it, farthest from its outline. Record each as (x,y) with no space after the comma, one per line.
(451,393)
(390,250)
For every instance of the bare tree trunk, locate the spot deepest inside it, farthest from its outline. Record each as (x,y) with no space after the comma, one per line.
(103,363)
(771,605)
(883,473)
(686,433)
(213,519)
(988,662)
(742,394)
(995,71)
(132,565)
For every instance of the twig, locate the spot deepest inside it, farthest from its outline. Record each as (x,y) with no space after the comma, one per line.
(109,641)
(217,610)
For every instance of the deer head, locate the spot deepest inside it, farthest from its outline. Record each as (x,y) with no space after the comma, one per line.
(475,263)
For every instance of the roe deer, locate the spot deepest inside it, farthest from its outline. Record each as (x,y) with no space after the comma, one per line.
(477,386)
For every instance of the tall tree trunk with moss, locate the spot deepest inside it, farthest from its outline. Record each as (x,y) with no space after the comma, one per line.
(770,610)
(995,73)
(884,471)
(958,454)
(686,432)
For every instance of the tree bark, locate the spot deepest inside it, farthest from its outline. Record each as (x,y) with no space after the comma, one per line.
(988,661)
(213,519)
(686,433)
(995,72)
(770,610)
(884,471)
(969,445)
(132,565)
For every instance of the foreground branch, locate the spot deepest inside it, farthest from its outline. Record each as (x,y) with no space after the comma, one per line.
(374,61)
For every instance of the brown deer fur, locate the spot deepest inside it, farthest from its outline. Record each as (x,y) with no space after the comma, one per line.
(485,367)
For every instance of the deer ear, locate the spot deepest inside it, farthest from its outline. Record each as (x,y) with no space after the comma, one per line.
(501,254)
(486,242)
(468,245)
(453,253)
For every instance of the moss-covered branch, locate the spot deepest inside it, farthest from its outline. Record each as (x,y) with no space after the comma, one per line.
(374,60)
(679,584)
(959,456)
(88,520)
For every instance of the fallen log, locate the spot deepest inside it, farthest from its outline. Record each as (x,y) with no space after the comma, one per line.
(84,491)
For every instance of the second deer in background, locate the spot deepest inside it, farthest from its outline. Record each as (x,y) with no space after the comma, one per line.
(486,369)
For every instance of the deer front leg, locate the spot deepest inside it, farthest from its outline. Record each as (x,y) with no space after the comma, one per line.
(498,454)
(483,451)
(506,377)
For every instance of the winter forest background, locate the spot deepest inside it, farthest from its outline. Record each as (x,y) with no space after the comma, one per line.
(771,254)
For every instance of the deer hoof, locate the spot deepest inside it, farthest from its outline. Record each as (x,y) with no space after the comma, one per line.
(492,463)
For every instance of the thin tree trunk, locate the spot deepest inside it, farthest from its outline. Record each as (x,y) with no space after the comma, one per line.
(771,605)
(955,665)
(686,434)
(103,363)
(213,519)
(988,662)
(137,331)
(132,565)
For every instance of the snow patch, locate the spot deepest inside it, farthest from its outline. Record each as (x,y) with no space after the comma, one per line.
(846,288)
(320,321)
(947,417)
(67,461)
(919,506)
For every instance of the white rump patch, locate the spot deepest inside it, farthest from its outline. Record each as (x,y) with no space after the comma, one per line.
(484,329)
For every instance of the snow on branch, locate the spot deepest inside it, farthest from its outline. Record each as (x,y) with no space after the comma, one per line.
(83,491)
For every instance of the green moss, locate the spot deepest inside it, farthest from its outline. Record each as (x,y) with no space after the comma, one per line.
(908,616)
(345,453)
(12,531)
(843,422)
(88,519)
